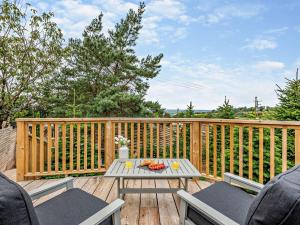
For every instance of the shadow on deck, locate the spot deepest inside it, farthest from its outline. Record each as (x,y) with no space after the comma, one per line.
(142,209)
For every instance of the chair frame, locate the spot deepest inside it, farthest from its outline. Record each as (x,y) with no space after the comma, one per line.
(187,199)
(113,209)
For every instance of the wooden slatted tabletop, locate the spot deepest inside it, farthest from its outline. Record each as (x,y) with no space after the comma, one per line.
(186,169)
(119,171)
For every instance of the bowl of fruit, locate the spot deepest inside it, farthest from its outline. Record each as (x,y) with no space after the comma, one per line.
(152,165)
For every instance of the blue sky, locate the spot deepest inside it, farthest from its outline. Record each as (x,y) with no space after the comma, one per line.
(212,49)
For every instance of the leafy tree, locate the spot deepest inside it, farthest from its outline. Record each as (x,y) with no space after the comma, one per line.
(289,100)
(105,72)
(30,51)
(226,111)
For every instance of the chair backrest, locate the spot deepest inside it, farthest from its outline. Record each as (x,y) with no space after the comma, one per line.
(278,202)
(15,204)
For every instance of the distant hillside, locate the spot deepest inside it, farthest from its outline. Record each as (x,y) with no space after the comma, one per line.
(174,111)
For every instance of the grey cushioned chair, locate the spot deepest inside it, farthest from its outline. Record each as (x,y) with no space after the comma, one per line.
(277,202)
(73,206)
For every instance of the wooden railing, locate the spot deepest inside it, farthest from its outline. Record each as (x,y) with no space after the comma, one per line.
(251,148)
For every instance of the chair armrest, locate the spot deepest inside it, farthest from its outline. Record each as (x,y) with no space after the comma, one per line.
(112,209)
(209,212)
(50,188)
(243,182)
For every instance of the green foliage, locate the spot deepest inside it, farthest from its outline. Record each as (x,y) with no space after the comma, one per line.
(289,100)
(189,111)
(226,111)
(105,73)
(30,51)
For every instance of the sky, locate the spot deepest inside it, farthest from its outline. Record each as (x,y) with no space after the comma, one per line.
(212,48)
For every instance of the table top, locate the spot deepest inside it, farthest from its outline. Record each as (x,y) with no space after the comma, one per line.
(186,169)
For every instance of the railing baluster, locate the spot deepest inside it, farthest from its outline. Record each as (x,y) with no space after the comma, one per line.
(184,140)
(42,143)
(284,149)
(119,132)
(49,145)
(261,155)
(272,152)
(33,150)
(63,147)
(78,146)
(157,140)
(151,140)
(200,167)
(145,140)
(222,150)
(56,141)
(207,149)
(250,153)
(92,146)
(177,140)
(164,140)
(171,141)
(139,140)
(85,130)
(215,150)
(126,130)
(71,145)
(240,151)
(231,169)
(132,139)
(99,146)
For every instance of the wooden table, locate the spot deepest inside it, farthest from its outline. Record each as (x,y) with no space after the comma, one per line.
(120,172)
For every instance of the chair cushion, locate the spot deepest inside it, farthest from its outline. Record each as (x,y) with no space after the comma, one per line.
(15,204)
(225,198)
(70,208)
(278,202)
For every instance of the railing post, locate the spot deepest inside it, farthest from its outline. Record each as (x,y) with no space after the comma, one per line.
(109,144)
(196,144)
(20,150)
(297,146)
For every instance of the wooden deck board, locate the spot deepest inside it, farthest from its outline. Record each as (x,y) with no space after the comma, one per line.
(149,214)
(139,209)
(130,212)
(168,213)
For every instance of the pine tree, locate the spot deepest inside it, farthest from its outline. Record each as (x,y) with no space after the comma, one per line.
(108,77)
(190,110)
(226,111)
(289,100)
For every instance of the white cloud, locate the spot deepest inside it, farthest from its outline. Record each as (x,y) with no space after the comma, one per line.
(269,66)
(74,15)
(220,14)
(277,31)
(261,44)
(169,9)
(206,84)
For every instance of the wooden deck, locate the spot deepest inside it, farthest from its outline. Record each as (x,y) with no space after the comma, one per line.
(142,209)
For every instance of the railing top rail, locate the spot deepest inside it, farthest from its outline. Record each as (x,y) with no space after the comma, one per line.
(183,120)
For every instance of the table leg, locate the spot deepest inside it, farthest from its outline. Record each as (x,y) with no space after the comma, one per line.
(179,183)
(123,186)
(118,187)
(186,184)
